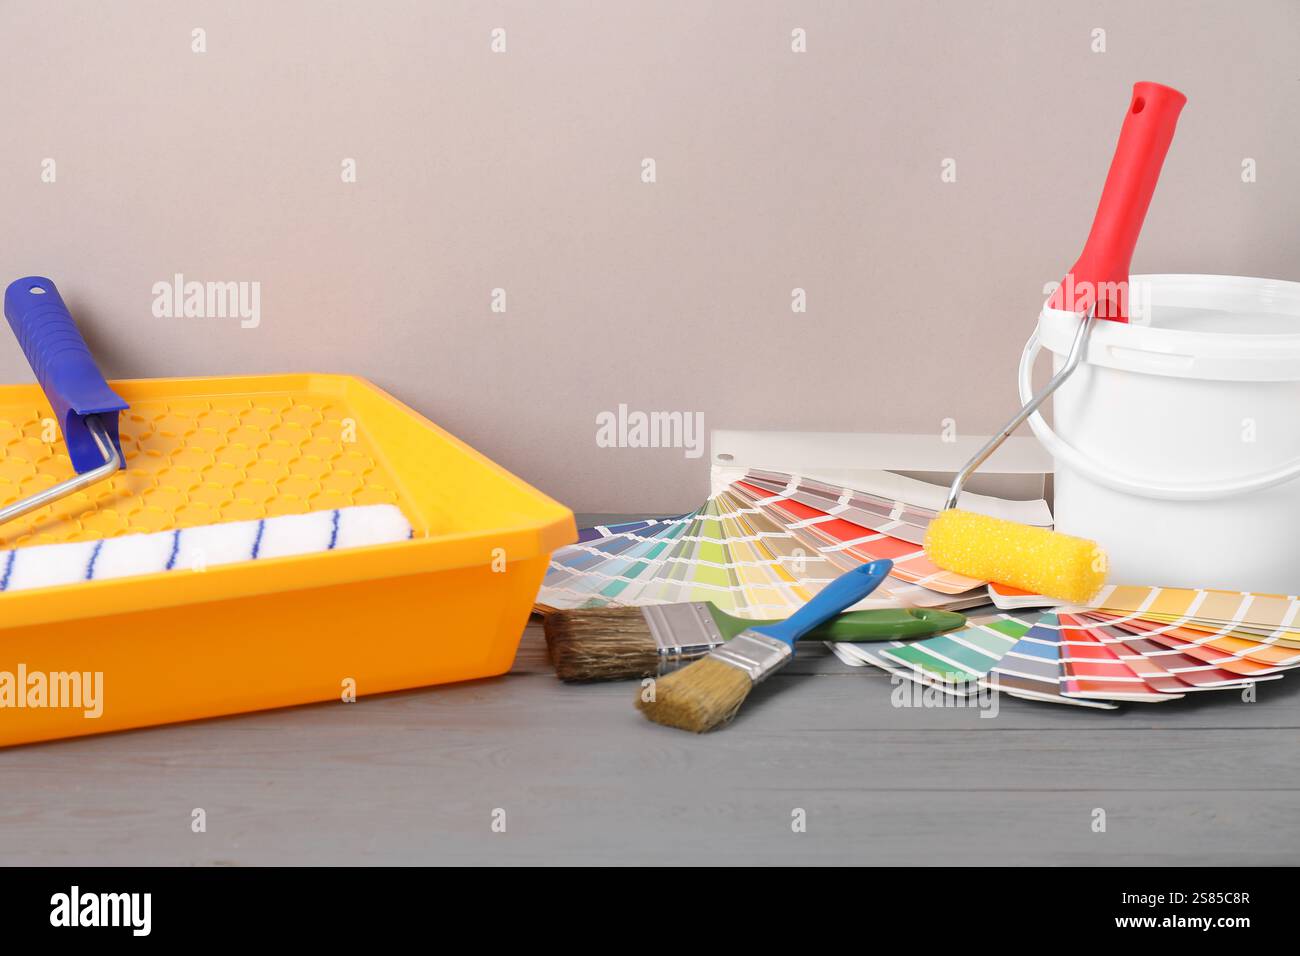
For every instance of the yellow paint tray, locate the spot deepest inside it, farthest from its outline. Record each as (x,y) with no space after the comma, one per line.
(450,604)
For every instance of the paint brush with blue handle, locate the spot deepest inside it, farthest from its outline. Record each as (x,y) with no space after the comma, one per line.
(709,692)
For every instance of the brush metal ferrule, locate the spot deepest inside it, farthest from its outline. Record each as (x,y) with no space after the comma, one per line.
(756,654)
(682,632)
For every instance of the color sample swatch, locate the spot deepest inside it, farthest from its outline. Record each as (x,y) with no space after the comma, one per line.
(961,658)
(1033,668)
(766,541)
(1078,658)
(1274,617)
(760,547)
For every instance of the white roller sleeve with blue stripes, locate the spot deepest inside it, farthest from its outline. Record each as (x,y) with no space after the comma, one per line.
(204,546)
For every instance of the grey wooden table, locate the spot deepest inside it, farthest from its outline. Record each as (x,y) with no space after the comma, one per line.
(522,769)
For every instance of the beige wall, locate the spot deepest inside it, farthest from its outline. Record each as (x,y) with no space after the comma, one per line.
(522,170)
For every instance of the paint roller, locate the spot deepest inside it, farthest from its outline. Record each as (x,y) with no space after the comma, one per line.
(1096,287)
(86,410)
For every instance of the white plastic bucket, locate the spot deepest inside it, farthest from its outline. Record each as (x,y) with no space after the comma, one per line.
(1177,440)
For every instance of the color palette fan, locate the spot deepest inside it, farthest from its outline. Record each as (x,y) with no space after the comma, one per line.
(1083,657)
(766,541)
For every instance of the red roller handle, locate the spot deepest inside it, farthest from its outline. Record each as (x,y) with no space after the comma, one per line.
(1101,274)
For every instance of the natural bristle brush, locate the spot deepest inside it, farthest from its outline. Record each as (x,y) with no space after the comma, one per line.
(85,408)
(1096,287)
(709,692)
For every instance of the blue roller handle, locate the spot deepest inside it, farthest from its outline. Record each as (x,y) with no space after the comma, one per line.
(64,366)
(844,592)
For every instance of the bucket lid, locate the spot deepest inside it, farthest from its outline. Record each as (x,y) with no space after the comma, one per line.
(1226,328)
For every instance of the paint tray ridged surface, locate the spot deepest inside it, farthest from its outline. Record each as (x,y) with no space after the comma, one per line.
(449,604)
(194,461)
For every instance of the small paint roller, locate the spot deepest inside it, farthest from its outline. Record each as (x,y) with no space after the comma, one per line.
(85,408)
(1096,287)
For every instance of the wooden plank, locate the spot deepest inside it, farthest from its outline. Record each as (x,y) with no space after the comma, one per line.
(430,820)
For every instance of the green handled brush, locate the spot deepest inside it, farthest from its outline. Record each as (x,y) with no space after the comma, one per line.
(620,643)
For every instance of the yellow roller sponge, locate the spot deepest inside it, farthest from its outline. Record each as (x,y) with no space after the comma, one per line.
(1032,559)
